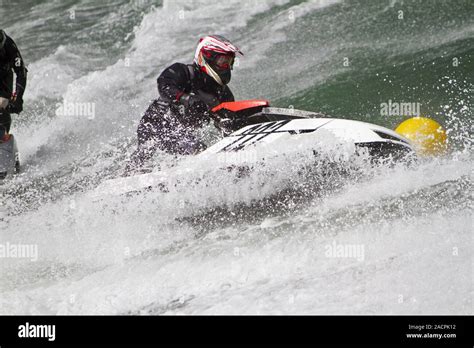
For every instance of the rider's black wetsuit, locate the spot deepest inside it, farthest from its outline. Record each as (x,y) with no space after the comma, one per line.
(168,124)
(11,61)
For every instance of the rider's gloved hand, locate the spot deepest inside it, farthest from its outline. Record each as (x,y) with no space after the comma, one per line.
(209,99)
(193,103)
(16,104)
(190,100)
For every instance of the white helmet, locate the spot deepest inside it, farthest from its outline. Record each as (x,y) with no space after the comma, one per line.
(215,56)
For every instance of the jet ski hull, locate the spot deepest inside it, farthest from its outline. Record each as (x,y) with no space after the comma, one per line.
(379,141)
(263,126)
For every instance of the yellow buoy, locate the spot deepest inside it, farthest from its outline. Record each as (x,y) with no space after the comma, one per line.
(426,134)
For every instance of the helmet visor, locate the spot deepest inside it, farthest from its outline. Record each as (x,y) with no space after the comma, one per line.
(224,61)
(219,61)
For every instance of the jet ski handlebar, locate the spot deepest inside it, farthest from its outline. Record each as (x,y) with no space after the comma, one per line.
(231,116)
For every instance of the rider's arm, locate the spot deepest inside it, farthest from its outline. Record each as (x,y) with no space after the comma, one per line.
(227,125)
(173,82)
(227,95)
(18,66)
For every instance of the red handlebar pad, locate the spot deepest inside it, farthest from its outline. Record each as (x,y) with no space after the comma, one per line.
(241,105)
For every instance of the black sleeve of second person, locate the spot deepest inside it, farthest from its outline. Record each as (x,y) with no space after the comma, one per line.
(173,82)
(18,66)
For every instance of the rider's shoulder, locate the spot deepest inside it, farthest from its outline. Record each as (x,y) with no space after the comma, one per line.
(177,67)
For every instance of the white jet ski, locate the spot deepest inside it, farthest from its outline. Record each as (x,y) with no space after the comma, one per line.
(255,122)
(262,124)
(9,156)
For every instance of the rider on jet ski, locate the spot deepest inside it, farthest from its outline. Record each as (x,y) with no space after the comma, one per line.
(10,101)
(186,95)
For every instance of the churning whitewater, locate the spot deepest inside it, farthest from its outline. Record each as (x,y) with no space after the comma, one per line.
(338,237)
